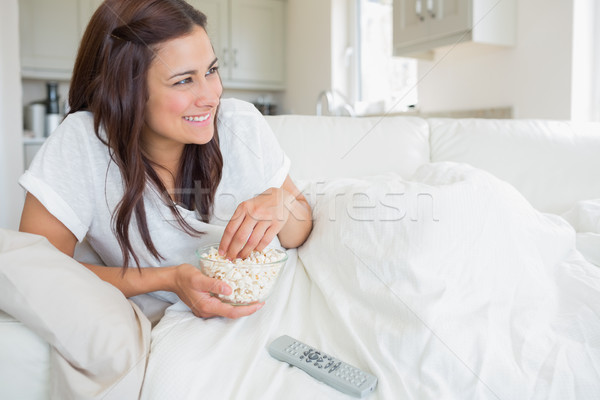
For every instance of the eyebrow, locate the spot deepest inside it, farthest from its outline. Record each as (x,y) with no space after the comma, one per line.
(192,72)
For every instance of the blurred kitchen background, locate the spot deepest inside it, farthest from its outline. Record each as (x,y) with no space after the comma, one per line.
(355,58)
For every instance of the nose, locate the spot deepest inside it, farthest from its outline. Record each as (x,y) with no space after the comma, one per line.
(208,92)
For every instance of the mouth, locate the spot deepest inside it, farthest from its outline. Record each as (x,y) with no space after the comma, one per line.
(197,118)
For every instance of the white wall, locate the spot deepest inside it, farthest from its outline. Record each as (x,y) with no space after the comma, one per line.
(308,58)
(11,145)
(534,77)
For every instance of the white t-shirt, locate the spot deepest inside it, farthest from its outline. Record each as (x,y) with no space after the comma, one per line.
(73,177)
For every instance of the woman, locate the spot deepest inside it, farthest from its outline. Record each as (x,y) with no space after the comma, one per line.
(138,167)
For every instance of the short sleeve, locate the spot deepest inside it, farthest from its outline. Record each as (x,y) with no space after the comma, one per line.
(250,146)
(253,160)
(60,176)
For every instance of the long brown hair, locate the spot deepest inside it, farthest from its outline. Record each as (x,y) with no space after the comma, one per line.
(109,79)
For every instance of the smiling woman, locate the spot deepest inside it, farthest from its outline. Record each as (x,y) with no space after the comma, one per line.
(182,105)
(142,165)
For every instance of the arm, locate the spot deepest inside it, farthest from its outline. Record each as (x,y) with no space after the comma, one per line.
(280,211)
(299,224)
(192,287)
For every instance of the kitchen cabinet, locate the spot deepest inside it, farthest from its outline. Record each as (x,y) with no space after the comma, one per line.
(248,38)
(423,25)
(50,32)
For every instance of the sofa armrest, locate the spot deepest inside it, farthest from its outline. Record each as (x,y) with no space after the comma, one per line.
(24,361)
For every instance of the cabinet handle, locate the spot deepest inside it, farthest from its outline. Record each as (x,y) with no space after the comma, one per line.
(430,9)
(225,51)
(235,63)
(419,10)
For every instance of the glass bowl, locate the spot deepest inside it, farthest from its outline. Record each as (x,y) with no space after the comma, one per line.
(251,279)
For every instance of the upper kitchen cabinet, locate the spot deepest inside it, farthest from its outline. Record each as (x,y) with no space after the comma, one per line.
(248,37)
(50,32)
(424,25)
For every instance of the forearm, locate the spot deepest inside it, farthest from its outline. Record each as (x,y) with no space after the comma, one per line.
(299,224)
(193,287)
(134,281)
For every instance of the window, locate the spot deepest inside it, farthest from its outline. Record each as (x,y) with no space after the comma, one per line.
(585,96)
(366,79)
(384,83)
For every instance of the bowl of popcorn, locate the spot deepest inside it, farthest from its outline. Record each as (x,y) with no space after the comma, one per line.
(251,279)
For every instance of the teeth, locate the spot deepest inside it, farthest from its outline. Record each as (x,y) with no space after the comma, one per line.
(197,119)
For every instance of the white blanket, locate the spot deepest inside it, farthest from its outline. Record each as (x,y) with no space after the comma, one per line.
(584,216)
(446,286)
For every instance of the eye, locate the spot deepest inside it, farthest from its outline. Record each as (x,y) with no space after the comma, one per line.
(183,81)
(213,70)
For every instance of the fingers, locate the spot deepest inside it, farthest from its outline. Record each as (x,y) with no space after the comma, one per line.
(254,224)
(213,307)
(242,311)
(255,239)
(203,283)
(221,309)
(204,304)
(267,238)
(230,230)
(238,239)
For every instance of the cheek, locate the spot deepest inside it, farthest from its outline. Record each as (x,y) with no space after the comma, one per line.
(176,103)
(165,105)
(160,112)
(217,87)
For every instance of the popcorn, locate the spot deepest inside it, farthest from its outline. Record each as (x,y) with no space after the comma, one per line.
(249,282)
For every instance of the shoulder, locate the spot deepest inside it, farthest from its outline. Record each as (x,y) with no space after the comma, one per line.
(74,143)
(74,128)
(79,120)
(77,131)
(240,118)
(239,122)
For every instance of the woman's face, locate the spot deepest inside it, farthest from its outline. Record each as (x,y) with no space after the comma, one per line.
(184,90)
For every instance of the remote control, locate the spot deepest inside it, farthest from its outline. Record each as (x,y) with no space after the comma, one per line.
(322,366)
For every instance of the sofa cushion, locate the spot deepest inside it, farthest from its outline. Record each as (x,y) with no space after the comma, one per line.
(342,147)
(98,340)
(552,163)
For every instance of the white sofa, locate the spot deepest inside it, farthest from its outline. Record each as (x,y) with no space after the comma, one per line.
(555,165)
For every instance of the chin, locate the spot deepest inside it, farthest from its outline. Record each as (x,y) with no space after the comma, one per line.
(204,139)
(197,135)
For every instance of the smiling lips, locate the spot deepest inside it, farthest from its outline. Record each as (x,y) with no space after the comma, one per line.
(197,118)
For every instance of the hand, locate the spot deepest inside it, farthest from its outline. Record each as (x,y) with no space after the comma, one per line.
(194,289)
(255,223)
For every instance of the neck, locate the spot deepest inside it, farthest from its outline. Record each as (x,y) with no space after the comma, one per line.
(166,164)
(166,154)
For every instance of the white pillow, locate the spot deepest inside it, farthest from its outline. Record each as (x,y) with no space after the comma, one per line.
(99,340)
(552,163)
(351,147)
